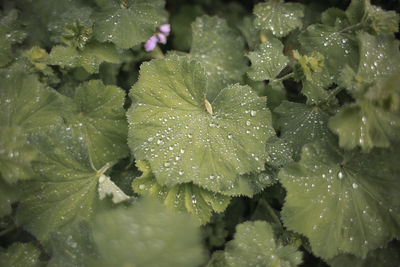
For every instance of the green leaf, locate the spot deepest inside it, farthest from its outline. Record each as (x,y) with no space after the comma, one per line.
(187,139)
(151,236)
(20,255)
(385,257)
(341,197)
(27,103)
(67,185)
(220,50)
(45,21)
(181,25)
(254,245)
(372,18)
(129,23)
(278,17)
(26,106)
(383,21)
(315,90)
(100,119)
(72,246)
(15,155)
(250,33)
(8,195)
(334,17)
(337,48)
(253,183)
(89,58)
(365,124)
(267,61)
(183,197)
(301,124)
(279,152)
(314,77)
(379,56)
(10,33)
(217,259)
(74,26)
(356,11)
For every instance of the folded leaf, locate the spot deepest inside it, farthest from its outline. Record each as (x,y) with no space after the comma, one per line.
(183,197)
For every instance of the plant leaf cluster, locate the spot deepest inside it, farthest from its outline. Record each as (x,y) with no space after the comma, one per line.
(258,135)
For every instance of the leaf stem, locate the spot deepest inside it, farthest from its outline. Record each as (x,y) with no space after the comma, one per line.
(333,93)
(9,229)
(352,27)
(287,76)
(157,53)
(273,213)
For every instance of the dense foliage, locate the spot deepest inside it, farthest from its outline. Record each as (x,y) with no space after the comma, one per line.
(199,133)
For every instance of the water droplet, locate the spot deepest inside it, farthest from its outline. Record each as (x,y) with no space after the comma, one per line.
(340,175)
(355,185)
(229,136)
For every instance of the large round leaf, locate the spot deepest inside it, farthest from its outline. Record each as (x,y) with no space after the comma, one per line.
(187,139)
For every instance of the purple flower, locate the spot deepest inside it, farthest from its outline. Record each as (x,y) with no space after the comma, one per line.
(165,29)
(159,37)
(162,38)
(150,44)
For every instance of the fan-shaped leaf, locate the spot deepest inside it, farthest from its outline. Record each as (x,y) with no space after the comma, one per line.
(301,124)
(267,61)
(187,139)
(254,245)
(89,58)
(365,124)
(66,187)
(340,200)
(130,22)
(26,106)
(100,119)
(20,255)
(278,17)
